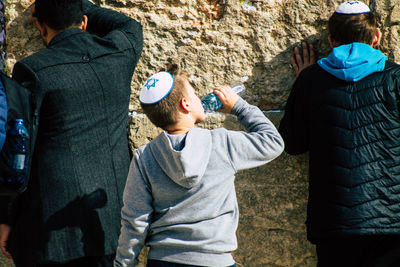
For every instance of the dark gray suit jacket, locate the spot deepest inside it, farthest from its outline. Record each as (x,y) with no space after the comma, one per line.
(71,208)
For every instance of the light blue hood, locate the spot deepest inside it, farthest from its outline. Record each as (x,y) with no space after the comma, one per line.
(353,62)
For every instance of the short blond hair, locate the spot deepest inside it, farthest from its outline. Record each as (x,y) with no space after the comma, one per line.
(165,113)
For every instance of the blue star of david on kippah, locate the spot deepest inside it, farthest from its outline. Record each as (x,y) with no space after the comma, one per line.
(156,88)
(151,83)
(353,8)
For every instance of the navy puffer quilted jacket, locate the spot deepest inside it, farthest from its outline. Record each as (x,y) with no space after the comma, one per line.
(352,133)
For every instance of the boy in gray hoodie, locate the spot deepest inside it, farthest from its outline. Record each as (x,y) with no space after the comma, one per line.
(180,198)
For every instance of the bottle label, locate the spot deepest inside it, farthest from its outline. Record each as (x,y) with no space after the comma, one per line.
(211,102)
(19,162)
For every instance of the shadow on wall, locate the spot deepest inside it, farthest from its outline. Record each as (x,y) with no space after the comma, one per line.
(264,75)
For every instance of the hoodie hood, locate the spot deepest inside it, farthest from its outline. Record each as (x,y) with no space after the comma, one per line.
(181,166)
(353,62)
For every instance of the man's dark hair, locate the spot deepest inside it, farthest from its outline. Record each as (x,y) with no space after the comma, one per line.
(165,113)
(59,14)
(346,29)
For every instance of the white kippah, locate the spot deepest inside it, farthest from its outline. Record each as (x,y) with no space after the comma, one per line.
(353,8)
(156,88)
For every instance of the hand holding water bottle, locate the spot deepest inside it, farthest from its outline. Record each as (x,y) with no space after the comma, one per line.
(227,97)
(211,102)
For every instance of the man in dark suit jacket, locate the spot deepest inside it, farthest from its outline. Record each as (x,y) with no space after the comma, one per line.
(70,213)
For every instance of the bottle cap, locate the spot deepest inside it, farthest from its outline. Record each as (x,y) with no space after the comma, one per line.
(352,8)
(156,88)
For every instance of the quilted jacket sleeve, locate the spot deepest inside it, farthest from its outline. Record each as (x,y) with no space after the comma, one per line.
(102,21)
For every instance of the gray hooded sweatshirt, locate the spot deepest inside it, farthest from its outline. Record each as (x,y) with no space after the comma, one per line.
(180,198)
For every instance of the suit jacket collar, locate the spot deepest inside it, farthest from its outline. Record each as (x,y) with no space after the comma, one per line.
(65,34)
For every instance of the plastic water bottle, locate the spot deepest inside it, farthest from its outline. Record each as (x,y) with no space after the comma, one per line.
(18,153)
(211,102)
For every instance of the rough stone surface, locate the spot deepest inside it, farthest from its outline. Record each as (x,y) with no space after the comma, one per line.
(5,262)
(219,41)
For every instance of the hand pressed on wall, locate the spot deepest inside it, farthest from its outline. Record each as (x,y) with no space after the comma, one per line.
(4,233)
(300,62)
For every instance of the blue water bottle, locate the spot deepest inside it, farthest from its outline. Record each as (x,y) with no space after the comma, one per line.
(211,102)
(18,153)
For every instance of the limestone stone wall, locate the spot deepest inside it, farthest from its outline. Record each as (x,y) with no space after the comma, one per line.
(220,41)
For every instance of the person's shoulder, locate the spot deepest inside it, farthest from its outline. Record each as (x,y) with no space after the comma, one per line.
(390,72)
(389,75)
(311,71)
(391,66)
(144,150)
(141,151)
(38,60)
(218,135)
(313,74)
(142,155)
(27,61)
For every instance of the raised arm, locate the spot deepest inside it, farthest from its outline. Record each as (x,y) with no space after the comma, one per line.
(259,145)
(102,21)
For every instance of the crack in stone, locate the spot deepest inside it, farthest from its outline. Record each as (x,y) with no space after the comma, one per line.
(372,5)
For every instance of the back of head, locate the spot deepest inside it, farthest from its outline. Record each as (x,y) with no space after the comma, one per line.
(59,14)
(349,27)
(165,112)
